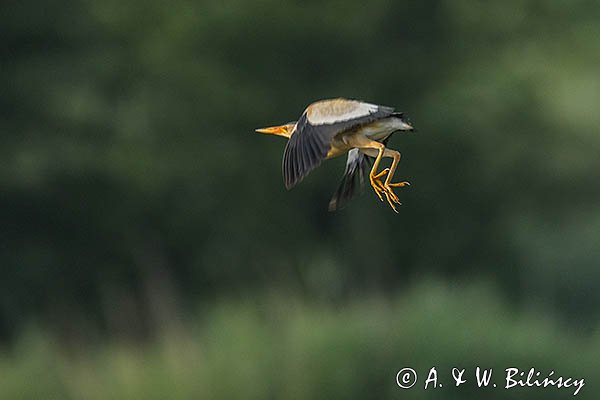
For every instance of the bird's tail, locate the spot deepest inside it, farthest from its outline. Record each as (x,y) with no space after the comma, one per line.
(357,166)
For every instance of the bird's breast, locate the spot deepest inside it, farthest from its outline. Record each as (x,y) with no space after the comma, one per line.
(337,148)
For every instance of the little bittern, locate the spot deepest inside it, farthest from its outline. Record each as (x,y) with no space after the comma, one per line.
(329,128)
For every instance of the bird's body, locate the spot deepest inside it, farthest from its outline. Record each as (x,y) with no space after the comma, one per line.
(330,128)
(379,131)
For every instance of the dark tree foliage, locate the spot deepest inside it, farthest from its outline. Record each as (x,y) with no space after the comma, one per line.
(130,164)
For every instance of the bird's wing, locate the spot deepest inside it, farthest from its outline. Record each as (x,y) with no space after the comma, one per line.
(321,121)
(357,167)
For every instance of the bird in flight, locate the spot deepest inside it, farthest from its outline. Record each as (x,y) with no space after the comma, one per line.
(330,128)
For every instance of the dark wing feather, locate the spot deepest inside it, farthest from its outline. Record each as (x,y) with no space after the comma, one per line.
(357,167)
(310,143)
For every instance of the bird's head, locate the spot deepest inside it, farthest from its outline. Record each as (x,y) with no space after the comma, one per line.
(280,130)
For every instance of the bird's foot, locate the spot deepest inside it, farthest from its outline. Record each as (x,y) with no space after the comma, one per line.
(376,183)
(386,189)
(390,196)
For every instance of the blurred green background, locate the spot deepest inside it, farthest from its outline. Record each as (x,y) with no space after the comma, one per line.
(150,251)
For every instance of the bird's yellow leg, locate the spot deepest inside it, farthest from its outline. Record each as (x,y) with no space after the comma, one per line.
(378,150)
(373,149)
(377,180)
(374,177)
(386,187)
(382,173)
(389,192)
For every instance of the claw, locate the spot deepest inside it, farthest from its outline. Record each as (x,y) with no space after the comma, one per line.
(381,188)
(378,186)
(399,184)
(391,197)
(392,201)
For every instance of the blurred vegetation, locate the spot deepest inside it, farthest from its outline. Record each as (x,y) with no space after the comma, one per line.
(133,188)
(275,347)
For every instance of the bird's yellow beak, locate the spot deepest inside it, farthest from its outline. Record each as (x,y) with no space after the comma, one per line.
(281,130)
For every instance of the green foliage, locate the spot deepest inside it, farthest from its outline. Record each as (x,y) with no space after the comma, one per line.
(133,188)
(285,348)
(128,146)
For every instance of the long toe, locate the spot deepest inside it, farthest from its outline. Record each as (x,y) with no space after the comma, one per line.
(378,188)
(382,173)
(391,202)
(399,184)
